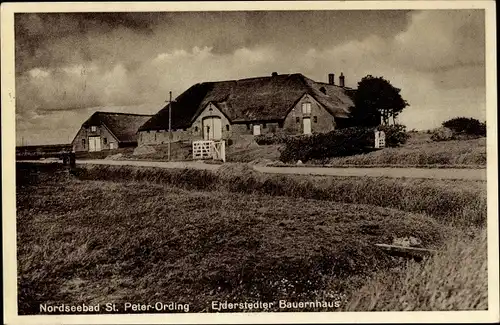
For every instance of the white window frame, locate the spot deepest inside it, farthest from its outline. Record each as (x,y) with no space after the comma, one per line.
(306,108)
(93,128)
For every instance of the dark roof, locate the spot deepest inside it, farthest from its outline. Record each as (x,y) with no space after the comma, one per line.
(124,126)
(262,98)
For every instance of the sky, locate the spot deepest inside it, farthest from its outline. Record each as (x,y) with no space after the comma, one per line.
(69,65)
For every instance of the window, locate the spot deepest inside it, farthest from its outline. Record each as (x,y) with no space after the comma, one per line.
(297,119)
(248,126)
(227,127)
(83,143)
(105,140)
(306,108)
(195,129)
(264,125)
(280,125)
(315,119)
(93,128)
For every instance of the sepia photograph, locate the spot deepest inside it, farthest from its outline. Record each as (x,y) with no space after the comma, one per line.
(213,160)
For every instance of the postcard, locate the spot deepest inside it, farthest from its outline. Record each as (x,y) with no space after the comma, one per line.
(249,162)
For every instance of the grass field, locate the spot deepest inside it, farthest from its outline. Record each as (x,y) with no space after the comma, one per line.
(270,152)
(194,236)
(453,201)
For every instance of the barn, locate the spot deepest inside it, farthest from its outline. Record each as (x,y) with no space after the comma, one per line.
(108,131)
(280,103)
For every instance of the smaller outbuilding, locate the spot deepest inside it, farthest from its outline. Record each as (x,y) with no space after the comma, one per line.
(108,131)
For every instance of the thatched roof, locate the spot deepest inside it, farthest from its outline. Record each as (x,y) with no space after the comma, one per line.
(253,99)
(123,126)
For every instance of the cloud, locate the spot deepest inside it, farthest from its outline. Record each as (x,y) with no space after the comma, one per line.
(442,38)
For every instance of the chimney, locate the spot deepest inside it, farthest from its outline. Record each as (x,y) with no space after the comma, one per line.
(342,80)
(331,79)
(274,74)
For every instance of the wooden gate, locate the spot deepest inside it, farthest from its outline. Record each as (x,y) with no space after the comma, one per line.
(209,150)
(379,139)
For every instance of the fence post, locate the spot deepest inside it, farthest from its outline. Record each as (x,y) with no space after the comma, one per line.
(72,159)
(223,150)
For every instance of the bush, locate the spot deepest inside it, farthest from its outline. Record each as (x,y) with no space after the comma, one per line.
(442,134)
(395,135)
(271,138)
(465,125)
(342,142)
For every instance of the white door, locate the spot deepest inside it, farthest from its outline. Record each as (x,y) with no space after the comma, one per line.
(307,125)
(97,143)
(256,129)
(94,143)
(212,128)
(91,144)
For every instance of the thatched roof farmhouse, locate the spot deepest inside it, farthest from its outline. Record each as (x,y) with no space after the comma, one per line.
(279,103)
(105,130)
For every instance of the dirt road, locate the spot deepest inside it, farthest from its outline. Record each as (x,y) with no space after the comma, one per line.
(436,173)
(144,163)
(433,173)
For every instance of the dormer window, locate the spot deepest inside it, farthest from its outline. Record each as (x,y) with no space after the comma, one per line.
(306,108)
(93,128)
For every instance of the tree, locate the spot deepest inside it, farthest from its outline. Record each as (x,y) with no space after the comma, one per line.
(376,100)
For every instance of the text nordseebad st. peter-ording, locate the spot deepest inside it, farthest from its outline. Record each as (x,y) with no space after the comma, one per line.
(126,307)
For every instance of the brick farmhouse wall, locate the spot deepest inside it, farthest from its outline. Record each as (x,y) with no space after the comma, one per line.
(321,121)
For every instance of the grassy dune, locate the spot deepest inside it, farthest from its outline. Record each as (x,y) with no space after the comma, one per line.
(454,279)
(452,201)
(115,234)
(421,152)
